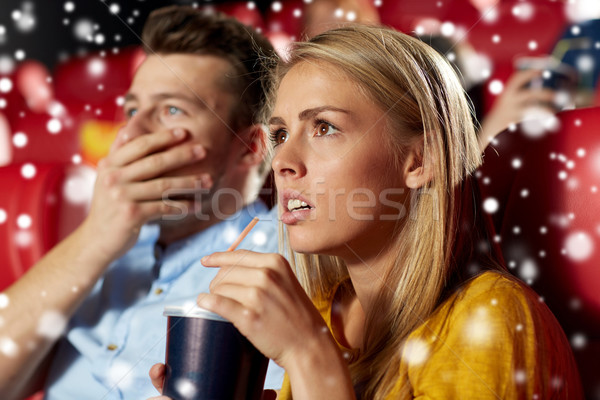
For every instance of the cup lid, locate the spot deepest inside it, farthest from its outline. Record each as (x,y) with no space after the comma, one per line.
(191,312)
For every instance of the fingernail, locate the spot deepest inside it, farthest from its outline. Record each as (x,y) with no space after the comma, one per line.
(204,259)
(206,181)
(199,151)
(178,133)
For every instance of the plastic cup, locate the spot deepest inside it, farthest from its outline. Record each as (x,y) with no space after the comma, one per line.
(209,359)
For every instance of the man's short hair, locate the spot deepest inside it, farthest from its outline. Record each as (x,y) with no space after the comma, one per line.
(188,30)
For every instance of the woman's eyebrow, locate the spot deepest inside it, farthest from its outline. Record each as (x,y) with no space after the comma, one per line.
(312,112)
(308,114)
(276,121)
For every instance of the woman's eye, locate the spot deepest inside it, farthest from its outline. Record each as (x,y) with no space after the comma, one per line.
(278,137)
(325,128)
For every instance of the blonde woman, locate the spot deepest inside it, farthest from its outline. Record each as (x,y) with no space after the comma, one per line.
(392,292)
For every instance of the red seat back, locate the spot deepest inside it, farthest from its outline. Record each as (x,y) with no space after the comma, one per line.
(37,211)
(547,193)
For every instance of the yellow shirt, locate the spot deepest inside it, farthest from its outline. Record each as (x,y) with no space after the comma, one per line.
(492,339)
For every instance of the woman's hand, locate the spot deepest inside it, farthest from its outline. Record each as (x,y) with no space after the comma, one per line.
(157,375)
(261,296)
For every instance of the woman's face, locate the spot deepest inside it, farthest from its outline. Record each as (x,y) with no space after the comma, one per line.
(340,192)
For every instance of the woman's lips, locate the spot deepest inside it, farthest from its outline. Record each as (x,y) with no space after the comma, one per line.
(295,207)
(292,217)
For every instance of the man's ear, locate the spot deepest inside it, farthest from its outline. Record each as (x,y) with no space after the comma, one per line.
(254,144)
(418,169)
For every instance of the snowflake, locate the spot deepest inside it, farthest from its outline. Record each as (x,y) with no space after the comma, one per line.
(6,85)
(520,376)
(478,327)
(54,126)
(415,351)
(578,340)
(185,387)
(24,221)
(579,246)
(51,324)
(28,171)
(119,374)
(491,205)
(4,300)
(20,139)
(259,238)
(8,347)
(528,270)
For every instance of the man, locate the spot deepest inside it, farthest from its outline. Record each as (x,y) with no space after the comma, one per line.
(191,160)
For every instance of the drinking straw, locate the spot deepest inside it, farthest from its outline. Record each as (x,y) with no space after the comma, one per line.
(244,233)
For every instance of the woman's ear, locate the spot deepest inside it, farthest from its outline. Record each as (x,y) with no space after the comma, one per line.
(254,148)
(418,169)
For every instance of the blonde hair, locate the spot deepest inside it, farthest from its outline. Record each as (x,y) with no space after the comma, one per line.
(423,100)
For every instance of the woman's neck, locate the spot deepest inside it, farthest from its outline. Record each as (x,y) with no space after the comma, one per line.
(367,273)
(353,303)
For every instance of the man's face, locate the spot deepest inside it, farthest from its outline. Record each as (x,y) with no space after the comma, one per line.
(186,91)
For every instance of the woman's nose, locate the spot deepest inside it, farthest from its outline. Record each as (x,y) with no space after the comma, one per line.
(288,161)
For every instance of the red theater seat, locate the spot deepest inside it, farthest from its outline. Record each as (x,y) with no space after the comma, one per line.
(542,193)
(37,211)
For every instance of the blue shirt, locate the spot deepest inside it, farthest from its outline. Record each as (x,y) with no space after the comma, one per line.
(119,331)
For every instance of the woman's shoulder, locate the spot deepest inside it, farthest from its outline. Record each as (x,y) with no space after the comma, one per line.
(492,335)
(497,282)
(492,288)
(491,304)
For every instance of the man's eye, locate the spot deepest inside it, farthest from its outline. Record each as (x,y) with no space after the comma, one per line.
(278,137)
(129,113)
(172,110)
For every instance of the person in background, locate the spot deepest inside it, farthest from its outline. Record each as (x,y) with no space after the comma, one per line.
(180,182)
(322,15)
(519,98)
(392,289)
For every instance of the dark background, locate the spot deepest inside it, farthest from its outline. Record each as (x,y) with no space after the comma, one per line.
(52,37)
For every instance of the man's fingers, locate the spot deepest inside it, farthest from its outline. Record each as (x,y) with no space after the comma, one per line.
(127,151)
(162,162)
(119,141)
(163,188)
(145,212)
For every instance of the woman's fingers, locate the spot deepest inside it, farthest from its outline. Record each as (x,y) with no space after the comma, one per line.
(157,375)
(226,307)
(245,258)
